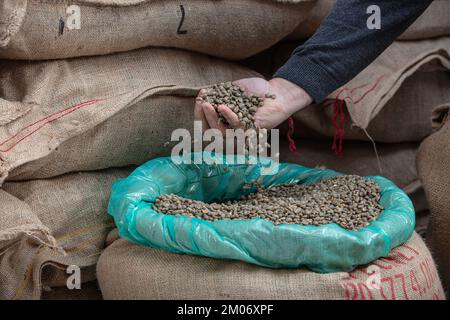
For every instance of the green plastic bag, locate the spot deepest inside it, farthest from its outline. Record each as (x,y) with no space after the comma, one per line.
(326,248)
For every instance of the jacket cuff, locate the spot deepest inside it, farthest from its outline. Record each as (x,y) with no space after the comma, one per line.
(308,75)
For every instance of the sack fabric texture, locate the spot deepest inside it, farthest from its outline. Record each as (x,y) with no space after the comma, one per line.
(93,113)
(88,291)
(129,271)
(47,225)
(232,29)
(433,165)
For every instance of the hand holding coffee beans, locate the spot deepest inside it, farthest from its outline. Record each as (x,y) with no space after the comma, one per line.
(236,108)
(249,103)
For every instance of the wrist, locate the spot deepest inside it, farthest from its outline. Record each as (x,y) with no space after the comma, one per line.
(292,97)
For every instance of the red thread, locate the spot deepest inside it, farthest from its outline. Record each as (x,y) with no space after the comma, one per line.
(339,112)
(63,113)
(341,127)
(334,121)
(339,130)
(292,146)
(364,95)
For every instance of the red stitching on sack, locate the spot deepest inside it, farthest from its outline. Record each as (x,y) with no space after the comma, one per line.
(339,130)
(426,275)
(402,277)
(404,256)
(290,134)
(63,113)
(391,288)
(410,248)
(334,122)
(347,291)
(388,267)
(362,287)
(430,269)
(338,111)
(364,95)
(415,285)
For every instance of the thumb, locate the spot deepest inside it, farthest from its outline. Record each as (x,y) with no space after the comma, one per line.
(254,86)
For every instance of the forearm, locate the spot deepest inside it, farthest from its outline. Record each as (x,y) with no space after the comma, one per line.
(344,45)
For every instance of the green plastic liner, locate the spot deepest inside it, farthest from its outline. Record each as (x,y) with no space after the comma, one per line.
(325,248)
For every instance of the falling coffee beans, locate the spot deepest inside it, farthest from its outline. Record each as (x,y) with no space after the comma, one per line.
(350,201)
(231,95)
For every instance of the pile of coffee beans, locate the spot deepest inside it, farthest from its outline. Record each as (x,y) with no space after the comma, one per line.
(233,96)
(350,201)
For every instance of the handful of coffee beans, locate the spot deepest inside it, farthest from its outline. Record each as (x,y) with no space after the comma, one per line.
(233,96)
(350,201)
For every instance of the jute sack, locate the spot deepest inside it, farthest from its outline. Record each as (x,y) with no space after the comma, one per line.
(396,162)
(98,112)
(389,101)
(48,225)
(405,117)
(88,291)
(433,22)
(433,165)
(128,271)
(234,29)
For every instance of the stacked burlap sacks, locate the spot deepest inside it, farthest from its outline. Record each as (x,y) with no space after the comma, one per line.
(433,163)
(63,116)
(432,23)
(92,113)
(390,102)
(129,271)
(75,115)
(235,29)
(49,224)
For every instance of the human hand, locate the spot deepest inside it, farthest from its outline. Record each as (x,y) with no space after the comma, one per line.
(281,99)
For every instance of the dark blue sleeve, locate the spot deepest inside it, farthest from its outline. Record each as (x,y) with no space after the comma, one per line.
(344,45)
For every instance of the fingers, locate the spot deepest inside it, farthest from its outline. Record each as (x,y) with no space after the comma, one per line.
(199,114)
(212,117)
(254,86)
(229,115)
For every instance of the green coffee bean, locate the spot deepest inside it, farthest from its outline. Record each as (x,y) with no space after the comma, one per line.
(349,201)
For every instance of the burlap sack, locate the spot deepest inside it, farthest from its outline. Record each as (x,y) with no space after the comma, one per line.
(49,224)
(405,117)
(396,162)
(433,22)
(390,101)
(433,165)
(128,271)
(311,23)
(12,13)
(88,291)
(93,113)
(234,29)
